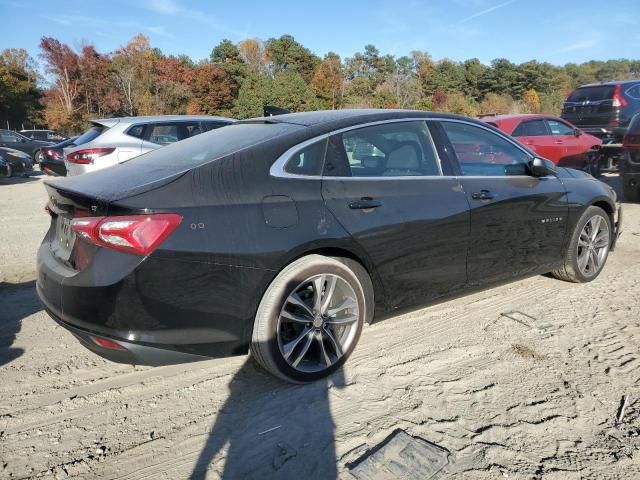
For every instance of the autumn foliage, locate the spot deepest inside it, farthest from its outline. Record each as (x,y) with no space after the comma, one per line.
(239,79)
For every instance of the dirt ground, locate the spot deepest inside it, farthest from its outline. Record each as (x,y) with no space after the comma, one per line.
(523,381)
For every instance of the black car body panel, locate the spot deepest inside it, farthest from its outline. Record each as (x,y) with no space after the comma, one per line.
(52,162)
(13,162)
(243,222)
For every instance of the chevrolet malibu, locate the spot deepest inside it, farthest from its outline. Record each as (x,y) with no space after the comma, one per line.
(282,236)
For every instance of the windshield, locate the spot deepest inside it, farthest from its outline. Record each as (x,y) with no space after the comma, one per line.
(592,94)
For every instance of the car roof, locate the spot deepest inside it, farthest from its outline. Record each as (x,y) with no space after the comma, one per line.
(609,84)
(109,122)
(332,119)
(37,130)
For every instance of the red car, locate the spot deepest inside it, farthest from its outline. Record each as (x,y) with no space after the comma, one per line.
(550,137)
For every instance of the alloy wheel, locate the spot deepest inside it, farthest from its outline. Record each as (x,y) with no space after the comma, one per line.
(318,323)
(593,245)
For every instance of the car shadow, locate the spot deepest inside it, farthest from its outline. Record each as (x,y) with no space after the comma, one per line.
(17,301)
(19,178)
(272,429)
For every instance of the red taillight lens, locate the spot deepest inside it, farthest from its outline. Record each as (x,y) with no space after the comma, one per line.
(106,343)
(52,153)
(618,99)
(137,234)
(631,140)
(88,155)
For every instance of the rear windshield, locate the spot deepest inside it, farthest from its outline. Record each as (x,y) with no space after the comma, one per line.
(91,134)
(593,94)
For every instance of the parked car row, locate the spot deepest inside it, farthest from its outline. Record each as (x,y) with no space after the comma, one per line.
(27,145)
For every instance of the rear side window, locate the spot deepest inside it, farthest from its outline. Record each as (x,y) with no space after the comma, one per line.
(531,128)
(481,152)
(136,131)
(559,128)
(592,94)
(90,135)
(634,92)
(307,161)
(166,133)
(397,149)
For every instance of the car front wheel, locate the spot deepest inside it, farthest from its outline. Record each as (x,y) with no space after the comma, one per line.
(310,318)
(589,247)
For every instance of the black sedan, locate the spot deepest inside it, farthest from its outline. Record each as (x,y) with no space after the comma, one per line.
(13,162)
(284,235)
(52,158)
(16,141)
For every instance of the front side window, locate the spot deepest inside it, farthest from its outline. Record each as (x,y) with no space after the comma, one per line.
(396,149)
(634,92)
(307,161)
(481,152)
(559,128)
(531,128)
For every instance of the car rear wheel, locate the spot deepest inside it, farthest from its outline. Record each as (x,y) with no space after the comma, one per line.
(310,318)
(39,156)
(588,249)
(9,171)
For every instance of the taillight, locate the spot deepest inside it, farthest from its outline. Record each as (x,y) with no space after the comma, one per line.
(618,99)
(631,140)
(52,153)
(137,234)
(106,343)
(88,155)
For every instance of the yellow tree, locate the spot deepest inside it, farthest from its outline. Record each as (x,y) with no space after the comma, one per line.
(531,101)
(327,80)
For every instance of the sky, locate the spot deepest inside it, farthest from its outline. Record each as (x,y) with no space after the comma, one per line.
(519,30)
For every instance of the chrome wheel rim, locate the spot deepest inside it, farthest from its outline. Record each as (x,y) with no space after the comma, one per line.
(593,245)
(318,323)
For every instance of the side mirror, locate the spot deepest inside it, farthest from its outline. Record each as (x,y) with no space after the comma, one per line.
(577,132)
(541,167)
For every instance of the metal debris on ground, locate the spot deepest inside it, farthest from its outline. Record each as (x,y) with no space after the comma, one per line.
(401,456)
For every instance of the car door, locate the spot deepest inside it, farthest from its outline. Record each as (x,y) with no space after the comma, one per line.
(535,135)
(574,154)
(384,184)
(518,221)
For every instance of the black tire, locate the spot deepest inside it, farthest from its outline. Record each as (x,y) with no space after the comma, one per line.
(595,167)
(631,192)
(570,270)
(9,171)
(265,346)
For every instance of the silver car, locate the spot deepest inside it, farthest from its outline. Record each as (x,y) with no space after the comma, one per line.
(114,140)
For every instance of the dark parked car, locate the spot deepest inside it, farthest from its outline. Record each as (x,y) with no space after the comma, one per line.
(20,142)
(603,109)
(52,162)
(13,162)
(46,135)
(630,162)
(285,234)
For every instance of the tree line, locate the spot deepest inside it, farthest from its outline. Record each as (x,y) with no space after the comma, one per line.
(238,79)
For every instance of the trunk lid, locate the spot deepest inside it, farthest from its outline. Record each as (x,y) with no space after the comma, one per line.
(587,106)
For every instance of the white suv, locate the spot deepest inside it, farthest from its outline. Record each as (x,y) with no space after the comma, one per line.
(113,140)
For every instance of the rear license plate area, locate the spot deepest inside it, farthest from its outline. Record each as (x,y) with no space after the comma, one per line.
(65,238)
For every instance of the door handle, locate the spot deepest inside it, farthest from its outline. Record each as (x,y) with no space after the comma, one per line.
(482,195)
(365,203)
(558,142)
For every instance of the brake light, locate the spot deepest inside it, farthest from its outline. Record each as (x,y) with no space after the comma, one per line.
(631,140)
(88,155)
(618,99)
(52,153)
(137,234)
